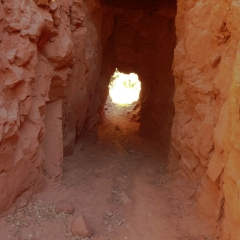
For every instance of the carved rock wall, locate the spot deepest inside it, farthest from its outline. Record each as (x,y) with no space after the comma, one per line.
(86,21)
(41,44)
(205,142)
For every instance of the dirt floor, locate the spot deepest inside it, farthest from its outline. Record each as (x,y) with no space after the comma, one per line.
(120,185)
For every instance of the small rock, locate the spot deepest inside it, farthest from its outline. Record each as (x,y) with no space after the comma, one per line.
(117,128)
(53,6)
(124,198)
(133,151)
(120,222)
(134,117)
(64,206)
(109,213)
(81,227)
(53,39)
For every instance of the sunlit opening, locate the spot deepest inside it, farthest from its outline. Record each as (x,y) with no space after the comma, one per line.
(124,88)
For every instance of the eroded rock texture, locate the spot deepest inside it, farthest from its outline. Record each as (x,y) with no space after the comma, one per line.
(41,51)
(86,19)
(205,133)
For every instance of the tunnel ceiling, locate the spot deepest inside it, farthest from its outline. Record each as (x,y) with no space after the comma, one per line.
(137,3)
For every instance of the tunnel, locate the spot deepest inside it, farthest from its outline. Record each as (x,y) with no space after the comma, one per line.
(173,173)
(129,45)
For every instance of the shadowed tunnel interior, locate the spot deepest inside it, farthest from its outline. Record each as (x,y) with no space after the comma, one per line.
(139,37)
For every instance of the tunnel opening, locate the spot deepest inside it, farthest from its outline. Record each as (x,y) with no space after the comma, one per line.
(140,37)
(131,46)
(124,89)
(136,37)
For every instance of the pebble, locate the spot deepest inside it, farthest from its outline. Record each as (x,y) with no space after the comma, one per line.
(124,198)
(81,227)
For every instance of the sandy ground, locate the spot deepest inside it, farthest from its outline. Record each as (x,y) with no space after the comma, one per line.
(120,185)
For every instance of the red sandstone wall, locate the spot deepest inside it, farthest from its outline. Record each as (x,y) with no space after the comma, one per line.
(205,133)
(44,47)
(86,19)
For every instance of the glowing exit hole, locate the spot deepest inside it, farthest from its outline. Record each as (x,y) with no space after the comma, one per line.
(124,88)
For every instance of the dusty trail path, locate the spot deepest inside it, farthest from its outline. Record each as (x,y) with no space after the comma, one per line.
(120,185)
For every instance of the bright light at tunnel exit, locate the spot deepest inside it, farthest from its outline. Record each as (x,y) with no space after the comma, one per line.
(124,88)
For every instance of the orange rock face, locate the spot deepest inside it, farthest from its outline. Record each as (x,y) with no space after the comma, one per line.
(205,129)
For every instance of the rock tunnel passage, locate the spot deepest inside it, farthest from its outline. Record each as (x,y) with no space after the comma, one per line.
(124,89)
(129,45)
(56,60)
(120,185)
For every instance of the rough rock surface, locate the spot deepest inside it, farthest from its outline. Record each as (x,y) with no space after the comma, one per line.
(42,53)
(26,75)
(205,133)
(86,32)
